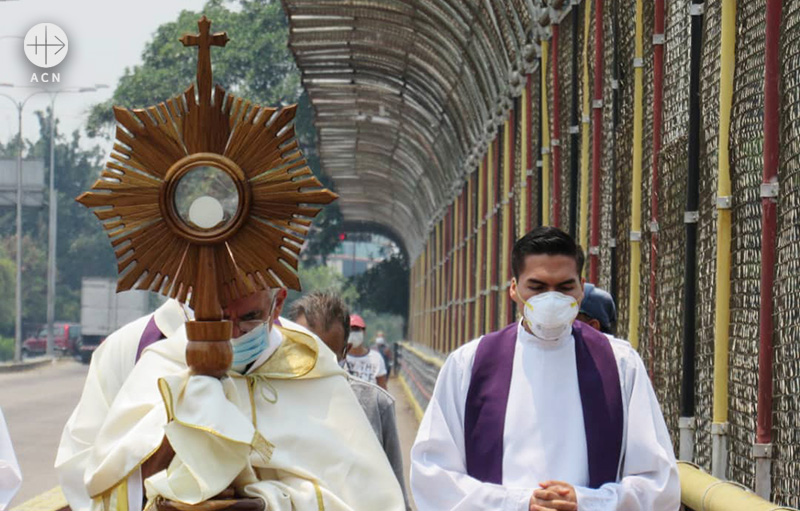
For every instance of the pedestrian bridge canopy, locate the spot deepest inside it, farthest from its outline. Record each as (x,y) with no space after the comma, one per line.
(662,135)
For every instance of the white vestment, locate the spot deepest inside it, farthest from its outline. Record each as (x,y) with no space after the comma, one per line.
(289,431)
(111,364)
(10,475)
(544,437)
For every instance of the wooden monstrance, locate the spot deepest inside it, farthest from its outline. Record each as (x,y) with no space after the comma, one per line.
(206,197)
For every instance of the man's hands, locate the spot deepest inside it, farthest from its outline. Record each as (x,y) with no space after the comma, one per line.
(554,496)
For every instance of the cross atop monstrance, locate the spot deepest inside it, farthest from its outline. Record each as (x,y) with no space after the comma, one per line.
(204,41)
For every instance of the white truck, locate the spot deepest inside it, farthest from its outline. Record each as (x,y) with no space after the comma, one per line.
(103,311)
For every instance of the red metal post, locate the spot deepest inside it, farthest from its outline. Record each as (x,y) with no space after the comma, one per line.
(529,153)
(495,228)
(597,142)
(769,189)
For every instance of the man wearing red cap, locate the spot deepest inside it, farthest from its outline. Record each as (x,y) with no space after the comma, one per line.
(361,361)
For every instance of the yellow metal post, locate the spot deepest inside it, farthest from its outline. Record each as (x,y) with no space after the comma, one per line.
(480,271)
(439,284)
(504,241)
(469,271)
(454,320)
(545,116)
(719,426)
(432,290)
(636,182)
(490,235)
(583,236)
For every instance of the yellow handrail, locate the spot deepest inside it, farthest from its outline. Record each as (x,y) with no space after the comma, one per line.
(430,359)
(701,491)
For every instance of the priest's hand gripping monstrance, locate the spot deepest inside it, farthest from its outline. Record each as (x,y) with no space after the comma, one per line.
(207,199)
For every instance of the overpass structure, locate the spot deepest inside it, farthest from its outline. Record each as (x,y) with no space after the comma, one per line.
(663,135)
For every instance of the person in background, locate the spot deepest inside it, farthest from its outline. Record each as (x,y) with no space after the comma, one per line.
(598,309)
(383,349)
(362,362)
(10,475)
(547,413)
(111,364)
(325,314)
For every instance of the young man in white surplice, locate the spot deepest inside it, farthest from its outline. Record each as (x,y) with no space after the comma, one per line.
(548,413)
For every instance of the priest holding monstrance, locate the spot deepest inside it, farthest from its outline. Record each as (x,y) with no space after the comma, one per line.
(207,199)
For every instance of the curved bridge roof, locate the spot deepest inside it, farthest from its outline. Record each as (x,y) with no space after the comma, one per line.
(407,95)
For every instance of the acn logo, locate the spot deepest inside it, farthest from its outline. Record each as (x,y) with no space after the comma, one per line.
(46,45)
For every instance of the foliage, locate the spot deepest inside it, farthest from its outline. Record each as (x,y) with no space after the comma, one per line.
(34,278)
(391,325)
(255,64)
(323,278)
(6,348)
(384,287)
(7,282)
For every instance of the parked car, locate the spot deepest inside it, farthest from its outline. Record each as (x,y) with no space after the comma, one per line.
(66,339)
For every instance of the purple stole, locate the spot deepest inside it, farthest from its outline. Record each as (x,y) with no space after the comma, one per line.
(487,400)
(150,335)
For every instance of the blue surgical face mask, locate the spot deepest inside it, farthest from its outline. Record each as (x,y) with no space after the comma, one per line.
(247,347)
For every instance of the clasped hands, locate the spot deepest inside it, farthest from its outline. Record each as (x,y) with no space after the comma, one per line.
(554,496)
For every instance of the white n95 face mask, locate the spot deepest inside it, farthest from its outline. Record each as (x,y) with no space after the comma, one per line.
(550,315)
(356,338)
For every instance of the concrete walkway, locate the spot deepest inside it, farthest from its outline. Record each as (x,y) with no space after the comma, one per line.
(406,424)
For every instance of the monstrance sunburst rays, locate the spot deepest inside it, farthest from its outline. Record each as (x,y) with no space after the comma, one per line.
(254,146)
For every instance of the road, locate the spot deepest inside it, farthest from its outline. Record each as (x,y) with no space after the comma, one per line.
(36,404)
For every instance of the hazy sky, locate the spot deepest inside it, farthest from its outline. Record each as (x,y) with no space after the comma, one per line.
(105,37)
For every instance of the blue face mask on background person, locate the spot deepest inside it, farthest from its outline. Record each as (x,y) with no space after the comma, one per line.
(247,347)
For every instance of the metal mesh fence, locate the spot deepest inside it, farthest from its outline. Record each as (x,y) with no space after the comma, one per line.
(747,164)
(623,139)
(672,198)
(565,93)
(660,339)
(706,237)
(607,228)
(786,468)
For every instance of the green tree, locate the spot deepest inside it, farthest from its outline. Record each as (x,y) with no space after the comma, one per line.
(82,248)
(323,278)
(384,287)
(255,64)
(34,278)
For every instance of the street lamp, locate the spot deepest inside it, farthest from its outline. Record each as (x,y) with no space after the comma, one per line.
(18,292)
(52,220)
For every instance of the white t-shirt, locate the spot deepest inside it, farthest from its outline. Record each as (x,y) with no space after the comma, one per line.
(367,367)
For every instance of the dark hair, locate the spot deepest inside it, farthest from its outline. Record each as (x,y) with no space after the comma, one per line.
(322,309)
(545,240)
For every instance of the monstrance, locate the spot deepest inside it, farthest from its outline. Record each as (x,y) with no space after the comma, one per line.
(206,198)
